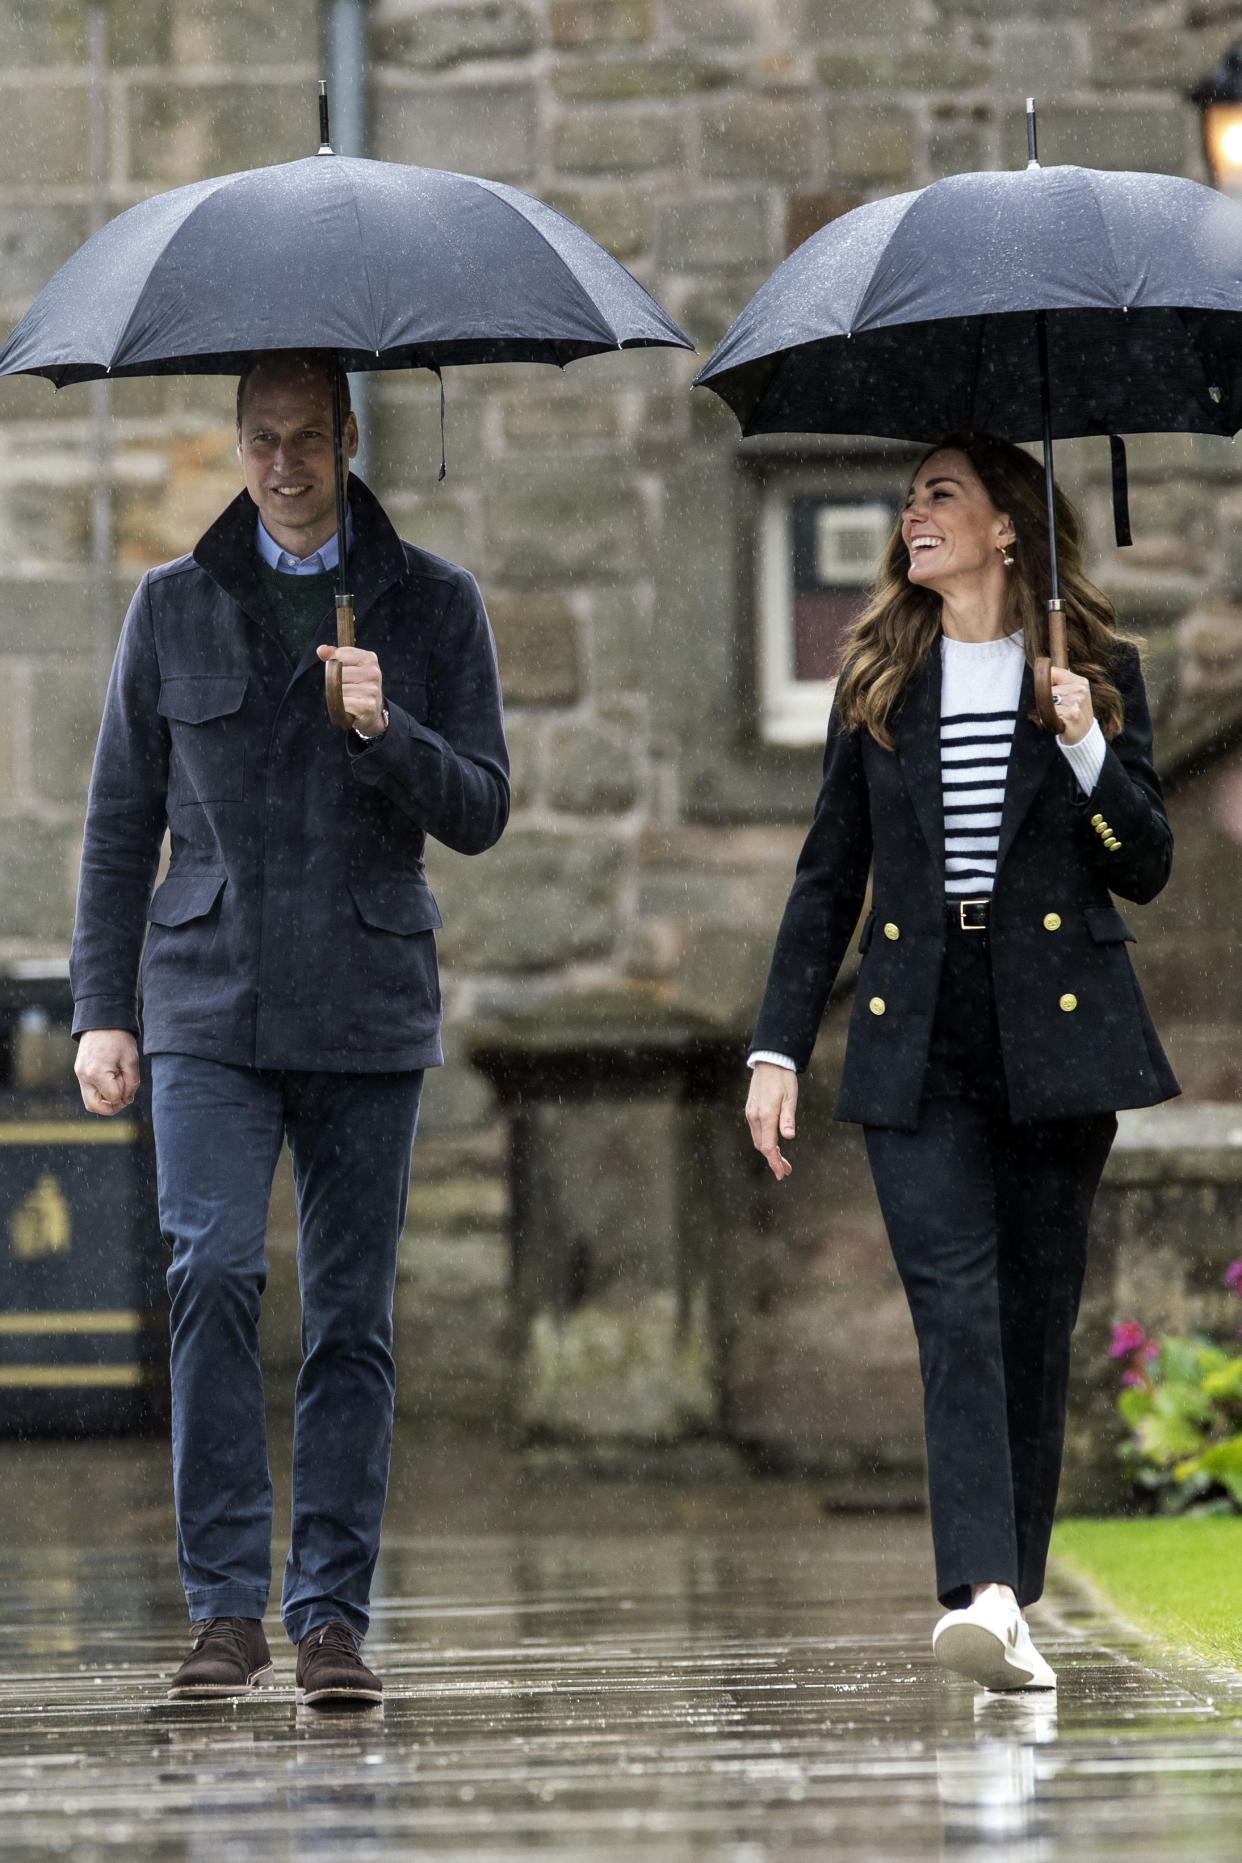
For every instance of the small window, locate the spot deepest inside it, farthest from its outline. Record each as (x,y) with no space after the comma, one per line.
(819,553)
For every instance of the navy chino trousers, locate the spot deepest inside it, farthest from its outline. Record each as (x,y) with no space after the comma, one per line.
(218,1133)
(987,1221)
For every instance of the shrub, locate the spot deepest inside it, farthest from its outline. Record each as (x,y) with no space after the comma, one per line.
(1182,1402)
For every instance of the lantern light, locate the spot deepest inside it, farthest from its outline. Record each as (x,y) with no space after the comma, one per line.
(1219,97)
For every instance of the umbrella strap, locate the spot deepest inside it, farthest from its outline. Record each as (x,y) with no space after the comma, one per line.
(1121,492)
(439,375)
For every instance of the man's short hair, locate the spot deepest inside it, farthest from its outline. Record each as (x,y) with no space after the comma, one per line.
(315,361)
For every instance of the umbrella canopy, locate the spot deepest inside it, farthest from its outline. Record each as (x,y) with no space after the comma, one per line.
(1051,303)
(391,267)
(386,266)
(918,316)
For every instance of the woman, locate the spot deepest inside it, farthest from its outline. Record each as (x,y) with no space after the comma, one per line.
(997,1025)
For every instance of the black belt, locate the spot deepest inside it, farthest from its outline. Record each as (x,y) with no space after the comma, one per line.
(970,915)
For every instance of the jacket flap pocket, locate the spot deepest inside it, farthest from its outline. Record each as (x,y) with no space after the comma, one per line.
(1107,926)
(185,896)
(396,905)
(193,698)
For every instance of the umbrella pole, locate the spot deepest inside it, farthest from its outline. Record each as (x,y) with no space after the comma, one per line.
(1057,649)
(344,600)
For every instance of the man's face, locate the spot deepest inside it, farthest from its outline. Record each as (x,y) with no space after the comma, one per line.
(284,442)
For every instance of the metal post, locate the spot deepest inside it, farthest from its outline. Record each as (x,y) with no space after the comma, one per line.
(1045,408)
(344,600)
(1056,607)
(347,64)
(338,459)
(102,642)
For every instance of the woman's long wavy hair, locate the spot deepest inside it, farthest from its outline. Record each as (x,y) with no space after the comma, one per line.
(901,622)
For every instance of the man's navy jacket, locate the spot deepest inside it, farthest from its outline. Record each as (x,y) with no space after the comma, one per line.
(1074,1030)
(295,928)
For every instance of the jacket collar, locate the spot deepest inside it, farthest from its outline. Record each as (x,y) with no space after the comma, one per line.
(227,553)
(916,732)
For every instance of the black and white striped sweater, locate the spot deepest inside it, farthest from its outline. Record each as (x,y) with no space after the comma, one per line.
(980,688)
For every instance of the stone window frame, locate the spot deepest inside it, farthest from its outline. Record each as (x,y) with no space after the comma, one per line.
(791,711)
(858,469)
(701,667)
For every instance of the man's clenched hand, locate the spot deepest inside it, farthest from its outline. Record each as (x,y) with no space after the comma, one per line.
(107,1070)
(362,687)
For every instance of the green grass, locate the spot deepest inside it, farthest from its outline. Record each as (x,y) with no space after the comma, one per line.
(1180,1580)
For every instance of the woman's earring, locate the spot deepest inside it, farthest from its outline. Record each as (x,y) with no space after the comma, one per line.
(1006,555)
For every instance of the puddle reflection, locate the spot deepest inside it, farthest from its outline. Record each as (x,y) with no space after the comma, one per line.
(989,1790)
(751,1687)
(987,1793)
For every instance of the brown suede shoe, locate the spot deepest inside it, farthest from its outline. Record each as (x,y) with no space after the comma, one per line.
(230,1656)
(331,1673)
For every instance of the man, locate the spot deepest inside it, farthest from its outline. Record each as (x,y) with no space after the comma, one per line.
(289,990)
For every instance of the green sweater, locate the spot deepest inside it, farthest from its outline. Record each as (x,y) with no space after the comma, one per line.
(299,604)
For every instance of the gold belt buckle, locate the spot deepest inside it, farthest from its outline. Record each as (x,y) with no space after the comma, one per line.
(972,905)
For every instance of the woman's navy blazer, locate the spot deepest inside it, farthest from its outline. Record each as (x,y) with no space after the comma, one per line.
(295,928)
(1074,1029)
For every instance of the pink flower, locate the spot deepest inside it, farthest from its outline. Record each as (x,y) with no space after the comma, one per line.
(1130,1342)
(1128,1337)
(1233,1276)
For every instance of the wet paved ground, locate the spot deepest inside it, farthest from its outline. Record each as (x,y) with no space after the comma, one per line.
(587,1673)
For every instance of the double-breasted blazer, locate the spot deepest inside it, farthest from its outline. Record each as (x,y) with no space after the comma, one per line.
(295,928)
(1075,1033)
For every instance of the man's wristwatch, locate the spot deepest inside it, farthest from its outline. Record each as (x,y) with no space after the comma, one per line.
(369,738)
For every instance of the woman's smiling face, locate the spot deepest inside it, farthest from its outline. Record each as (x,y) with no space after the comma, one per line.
(950,525)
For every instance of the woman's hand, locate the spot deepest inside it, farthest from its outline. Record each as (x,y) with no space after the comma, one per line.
(1072,698)
(770,1108)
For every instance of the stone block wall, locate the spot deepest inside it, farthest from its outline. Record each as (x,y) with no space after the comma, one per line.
(607,511)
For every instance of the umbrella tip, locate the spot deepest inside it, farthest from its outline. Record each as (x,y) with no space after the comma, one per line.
(1032,145)
(325,145)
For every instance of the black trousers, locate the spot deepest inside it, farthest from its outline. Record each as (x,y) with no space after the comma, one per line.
(987,1221)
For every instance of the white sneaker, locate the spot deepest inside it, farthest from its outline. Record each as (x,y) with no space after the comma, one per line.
(989,1642)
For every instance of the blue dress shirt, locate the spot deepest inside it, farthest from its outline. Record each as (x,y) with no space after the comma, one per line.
(317,564)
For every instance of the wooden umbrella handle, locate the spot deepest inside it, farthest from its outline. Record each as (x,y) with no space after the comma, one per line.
(1058,655)
(332,668)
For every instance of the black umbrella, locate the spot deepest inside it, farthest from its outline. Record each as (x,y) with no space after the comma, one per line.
(387,266)
(1048,303)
